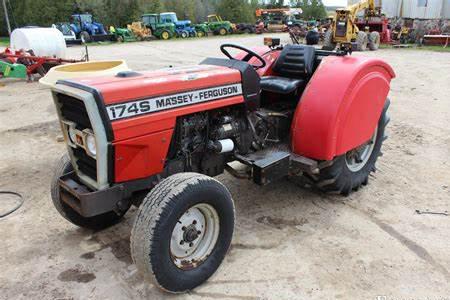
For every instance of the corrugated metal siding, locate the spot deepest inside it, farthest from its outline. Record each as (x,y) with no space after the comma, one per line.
(446,9)
(411,9)
(435,9)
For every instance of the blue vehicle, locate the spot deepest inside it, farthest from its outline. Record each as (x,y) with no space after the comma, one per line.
(87,30)
(183,28)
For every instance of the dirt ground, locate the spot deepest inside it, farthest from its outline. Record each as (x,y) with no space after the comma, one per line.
(289,242)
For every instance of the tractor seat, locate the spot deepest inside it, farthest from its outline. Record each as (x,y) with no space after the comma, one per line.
(294,67)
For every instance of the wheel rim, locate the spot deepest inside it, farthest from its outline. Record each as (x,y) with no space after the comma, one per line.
(165,35)
(357,158)
(200,34)
(194,236)
(223,31)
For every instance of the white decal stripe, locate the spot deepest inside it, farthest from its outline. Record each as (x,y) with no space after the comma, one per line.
(145,106)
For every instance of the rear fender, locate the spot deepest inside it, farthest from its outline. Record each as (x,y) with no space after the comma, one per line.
(340,107)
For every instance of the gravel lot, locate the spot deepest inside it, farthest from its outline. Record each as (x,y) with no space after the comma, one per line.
(289,242)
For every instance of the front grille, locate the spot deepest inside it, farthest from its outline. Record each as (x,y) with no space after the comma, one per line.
(86,164)
(74,110)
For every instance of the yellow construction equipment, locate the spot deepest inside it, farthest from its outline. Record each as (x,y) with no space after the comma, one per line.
(345,33)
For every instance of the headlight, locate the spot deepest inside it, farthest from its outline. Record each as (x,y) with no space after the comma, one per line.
(289,23)
(90,145)
(72,135)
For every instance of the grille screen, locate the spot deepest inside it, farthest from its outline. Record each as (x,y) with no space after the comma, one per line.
(74,110)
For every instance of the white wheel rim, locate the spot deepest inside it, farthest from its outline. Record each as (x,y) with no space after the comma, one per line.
(357,158)
(194,236)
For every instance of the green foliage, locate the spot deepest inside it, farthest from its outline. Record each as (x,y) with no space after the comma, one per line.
(121,12)
(237,11)
(312,9)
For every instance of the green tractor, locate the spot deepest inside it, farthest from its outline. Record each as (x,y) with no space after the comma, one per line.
(122,34)
(201,29)
(218,26)
(158,27)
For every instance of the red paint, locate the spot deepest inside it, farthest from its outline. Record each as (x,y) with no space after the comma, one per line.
(340,106)
(142,156)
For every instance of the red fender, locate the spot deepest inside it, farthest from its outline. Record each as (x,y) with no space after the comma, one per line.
(340,107)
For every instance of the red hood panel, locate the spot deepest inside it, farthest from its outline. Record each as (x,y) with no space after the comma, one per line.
(160,82)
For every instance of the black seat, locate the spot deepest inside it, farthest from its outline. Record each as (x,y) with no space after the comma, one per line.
(294,67)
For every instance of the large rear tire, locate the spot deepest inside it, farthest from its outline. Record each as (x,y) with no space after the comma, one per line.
(349,171)
(361,41)
(328,43)
(374,40)
(102,221)
(182,231)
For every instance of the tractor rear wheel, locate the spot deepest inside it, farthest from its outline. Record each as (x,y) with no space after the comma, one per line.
(182,231)
(102,221)
(223,31)
(328,43)
(85,37)
(361,41)
(351,170)
(374,40)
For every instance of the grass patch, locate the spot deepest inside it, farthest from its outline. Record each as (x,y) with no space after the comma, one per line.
(4,41)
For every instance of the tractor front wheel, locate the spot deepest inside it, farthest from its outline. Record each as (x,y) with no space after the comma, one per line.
(63,167)
(184,34)
(182,231)
(201,33)
(223,31)
(165,35)
(351,170)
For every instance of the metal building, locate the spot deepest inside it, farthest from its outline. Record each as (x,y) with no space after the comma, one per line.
(414,9)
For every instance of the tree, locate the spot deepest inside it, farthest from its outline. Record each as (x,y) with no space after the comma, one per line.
(237,11)
(312,9)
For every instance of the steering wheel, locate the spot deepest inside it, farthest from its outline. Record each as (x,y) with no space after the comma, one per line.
(250,55)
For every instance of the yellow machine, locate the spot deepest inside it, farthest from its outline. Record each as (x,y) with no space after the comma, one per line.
(140,31)
(345,32)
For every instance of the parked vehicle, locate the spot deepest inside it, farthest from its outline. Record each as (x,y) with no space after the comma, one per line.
(87,30)
(140,31)
(183,28)
(122,34)
(69,35)
(244,28)
(160,29)
(154,140)
(218,26)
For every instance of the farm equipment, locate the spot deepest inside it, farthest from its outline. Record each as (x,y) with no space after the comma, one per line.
(122,34)
(69,36)
(201,29)
(279,19)
(23,64)
(346,33)
(183,28)
(154,139)
(244,28)
(139,30)
(87,30)
(218,26)
(160,29)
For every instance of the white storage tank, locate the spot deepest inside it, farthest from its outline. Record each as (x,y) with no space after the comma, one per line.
(43,41)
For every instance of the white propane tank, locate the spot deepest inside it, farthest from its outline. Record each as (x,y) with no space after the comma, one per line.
(43,41)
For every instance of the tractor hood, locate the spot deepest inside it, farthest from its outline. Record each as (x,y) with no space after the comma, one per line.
(127,86)
(149,97)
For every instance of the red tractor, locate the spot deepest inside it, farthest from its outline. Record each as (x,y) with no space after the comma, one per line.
(155,140)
